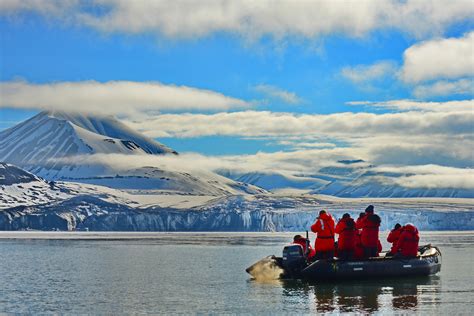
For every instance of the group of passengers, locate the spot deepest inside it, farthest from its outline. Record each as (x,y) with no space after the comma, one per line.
(357,239)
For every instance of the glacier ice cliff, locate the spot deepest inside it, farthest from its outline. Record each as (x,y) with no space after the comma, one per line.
(234,213)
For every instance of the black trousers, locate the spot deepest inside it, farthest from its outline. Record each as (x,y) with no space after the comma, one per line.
(370,252)
(345,254)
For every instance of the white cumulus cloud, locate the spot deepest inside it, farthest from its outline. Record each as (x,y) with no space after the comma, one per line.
(446,58)
(113,97)
(253,19)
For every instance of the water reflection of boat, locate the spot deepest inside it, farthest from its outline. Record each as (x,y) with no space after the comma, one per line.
(361,296)
(293,265)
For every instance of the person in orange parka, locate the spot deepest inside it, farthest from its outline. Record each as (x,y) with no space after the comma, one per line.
(300,240)
(346,242)
(324,228)
(369,224)
(393,238)
(407,245)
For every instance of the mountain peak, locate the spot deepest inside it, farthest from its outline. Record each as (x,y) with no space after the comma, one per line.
(111,127)
(41,142)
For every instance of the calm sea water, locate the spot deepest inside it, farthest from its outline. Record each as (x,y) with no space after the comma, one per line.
(204,273)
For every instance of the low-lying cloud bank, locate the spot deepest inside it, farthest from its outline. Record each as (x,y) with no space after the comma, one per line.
(250,19)
(428,106)
(264,123)
(289,163)
(431,176)
(113,97)
(284,162)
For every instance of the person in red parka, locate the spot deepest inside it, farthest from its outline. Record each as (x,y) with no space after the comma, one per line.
(324,228)
(393,238)
(407,245)
(346,242)
(303,242)
(369,223)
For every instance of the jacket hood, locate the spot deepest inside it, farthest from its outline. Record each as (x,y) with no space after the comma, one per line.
(410,228)
(349,223)
(325,216)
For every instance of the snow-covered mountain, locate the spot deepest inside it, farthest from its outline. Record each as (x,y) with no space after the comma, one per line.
(52,144)
(113,128)
(20,188)
(370,184)
(356,179)
(153,178)
(346,178)
(275,180)
(10,174)
(40,143)
(312,182)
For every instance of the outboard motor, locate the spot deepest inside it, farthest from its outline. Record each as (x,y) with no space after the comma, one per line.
(293,260)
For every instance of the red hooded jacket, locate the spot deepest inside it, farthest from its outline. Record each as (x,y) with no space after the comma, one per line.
(324,228)
(393,238)
(370,230)
(407,244)
(347,234)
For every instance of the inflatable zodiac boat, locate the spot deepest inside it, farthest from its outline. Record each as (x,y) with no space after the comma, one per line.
(293,265)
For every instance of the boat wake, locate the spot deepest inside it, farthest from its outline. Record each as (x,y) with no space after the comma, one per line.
(266,269)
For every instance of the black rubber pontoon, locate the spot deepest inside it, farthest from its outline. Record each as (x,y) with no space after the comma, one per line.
(294,266)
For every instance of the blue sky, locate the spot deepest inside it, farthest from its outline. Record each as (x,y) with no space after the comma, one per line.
(263,63)
(40,52)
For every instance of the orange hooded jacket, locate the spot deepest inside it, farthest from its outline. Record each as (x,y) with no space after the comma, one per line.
(324,228)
